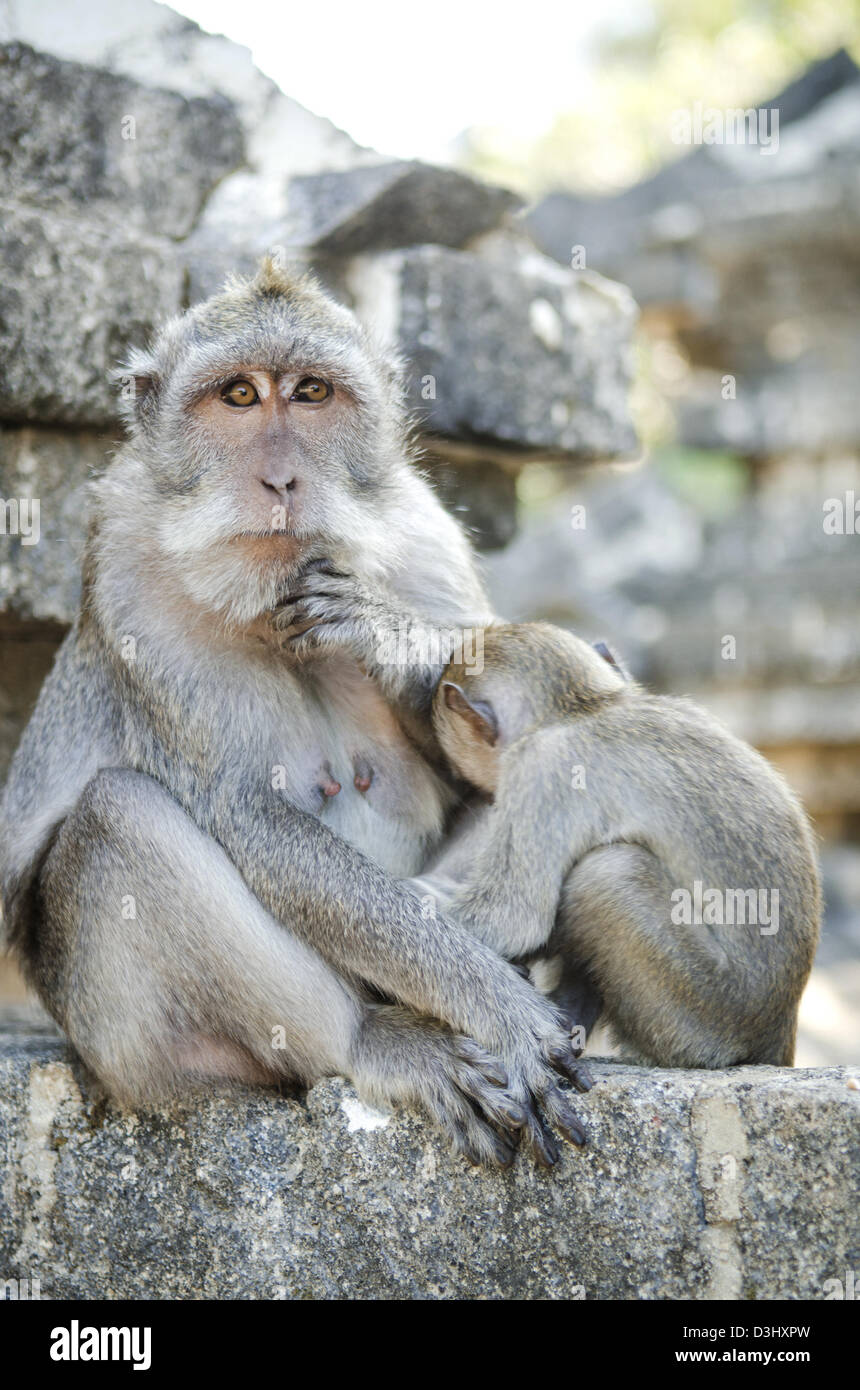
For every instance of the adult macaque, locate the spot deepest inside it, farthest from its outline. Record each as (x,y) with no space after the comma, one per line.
(223,782)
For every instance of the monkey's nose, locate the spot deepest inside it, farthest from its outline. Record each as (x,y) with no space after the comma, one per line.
(281,487)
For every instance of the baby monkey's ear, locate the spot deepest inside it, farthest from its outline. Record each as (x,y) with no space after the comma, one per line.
(612,660)
(480,716)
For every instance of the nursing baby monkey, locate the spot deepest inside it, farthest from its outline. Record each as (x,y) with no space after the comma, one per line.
(661,862)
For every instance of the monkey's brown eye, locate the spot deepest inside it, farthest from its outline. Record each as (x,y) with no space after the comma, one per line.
(240,393)
(311,389)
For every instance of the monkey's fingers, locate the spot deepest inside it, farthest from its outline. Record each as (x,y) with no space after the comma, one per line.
(324,585)
(559,1112)
(582,1077)
(500,1110)
(302,625)
(322,566)
(306,593)
(469,1126)
(495,1105)
(312,609)
(469,1051)
(478,1148)
(537,1139)
(288,614)
(563,1059)
(297,629)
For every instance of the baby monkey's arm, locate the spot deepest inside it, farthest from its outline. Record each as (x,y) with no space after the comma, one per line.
(501,875)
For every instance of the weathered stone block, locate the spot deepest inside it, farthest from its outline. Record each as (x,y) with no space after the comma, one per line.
(506,348)
(74,295)
(694,1185)
(396,203)
(78,138)
(748,250)
(482,496)
(43,482)
(27,657)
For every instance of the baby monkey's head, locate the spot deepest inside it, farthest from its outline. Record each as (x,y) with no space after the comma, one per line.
(532,676)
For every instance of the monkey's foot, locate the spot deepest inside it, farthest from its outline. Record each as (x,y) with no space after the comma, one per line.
(547,1105)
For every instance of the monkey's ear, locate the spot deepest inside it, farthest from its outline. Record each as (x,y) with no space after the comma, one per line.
(480,716)
(137,385)
(612,660)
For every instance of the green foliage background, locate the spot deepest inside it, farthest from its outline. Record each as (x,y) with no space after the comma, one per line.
(724,53)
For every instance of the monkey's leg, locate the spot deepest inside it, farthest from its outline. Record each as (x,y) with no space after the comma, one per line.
(371,927)
(670,992)
(571,988)
(164,969)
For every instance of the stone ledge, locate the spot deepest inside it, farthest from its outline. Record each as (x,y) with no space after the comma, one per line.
(695,1185)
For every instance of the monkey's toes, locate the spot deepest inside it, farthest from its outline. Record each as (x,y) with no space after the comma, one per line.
(493,1149)
(582,1079)
(497,1106)
(537,1137)
(539,1142)
(477,1141)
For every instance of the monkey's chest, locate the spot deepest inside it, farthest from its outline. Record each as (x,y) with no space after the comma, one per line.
(359,773)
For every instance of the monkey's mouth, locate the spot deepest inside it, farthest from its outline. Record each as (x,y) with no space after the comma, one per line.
(264,533)
(270,545)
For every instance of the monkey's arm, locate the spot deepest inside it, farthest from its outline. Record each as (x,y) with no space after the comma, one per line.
(449,869)
(371,927)
(511,870)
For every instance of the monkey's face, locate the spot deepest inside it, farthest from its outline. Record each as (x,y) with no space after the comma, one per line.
(272,434)
(282,449)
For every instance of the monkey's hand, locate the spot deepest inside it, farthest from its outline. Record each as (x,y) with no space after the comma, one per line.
(528,1033)
(535,1048)
(326,609)
(399,1056)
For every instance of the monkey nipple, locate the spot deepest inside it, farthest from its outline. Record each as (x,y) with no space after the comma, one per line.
(363,776)
(327,784)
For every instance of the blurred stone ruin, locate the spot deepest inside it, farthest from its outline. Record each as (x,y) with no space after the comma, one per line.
(746,265)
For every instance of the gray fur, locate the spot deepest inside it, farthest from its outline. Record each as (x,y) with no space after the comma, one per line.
(178,877)
(588,872)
